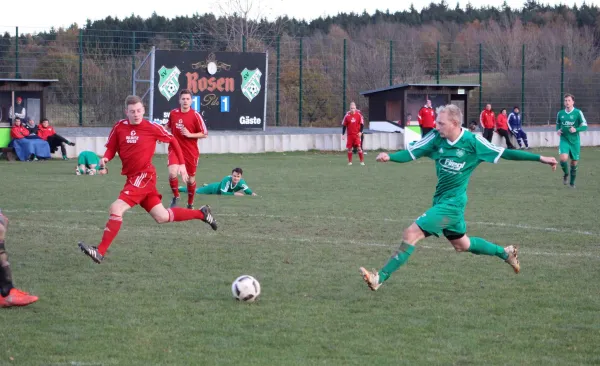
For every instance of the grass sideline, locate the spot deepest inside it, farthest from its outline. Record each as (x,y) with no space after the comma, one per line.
(163,294)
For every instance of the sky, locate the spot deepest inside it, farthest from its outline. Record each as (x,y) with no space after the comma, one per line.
(43,14)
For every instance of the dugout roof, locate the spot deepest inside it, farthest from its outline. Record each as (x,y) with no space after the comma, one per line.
(397,103)
(421,86)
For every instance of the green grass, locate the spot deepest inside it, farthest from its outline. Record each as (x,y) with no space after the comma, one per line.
(163,295)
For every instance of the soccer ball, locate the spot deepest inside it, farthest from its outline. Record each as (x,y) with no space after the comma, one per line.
(245,288)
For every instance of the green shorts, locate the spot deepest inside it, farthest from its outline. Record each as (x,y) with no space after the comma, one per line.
(565,147)
(86,160)
(443,218)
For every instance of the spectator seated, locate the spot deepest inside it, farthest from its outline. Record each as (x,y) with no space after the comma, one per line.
(26,147)
(47,133)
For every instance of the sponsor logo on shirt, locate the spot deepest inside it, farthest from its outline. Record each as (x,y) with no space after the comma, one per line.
(451,164)
(132,138)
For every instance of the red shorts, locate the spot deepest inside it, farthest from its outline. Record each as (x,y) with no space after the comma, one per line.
(191,163)
(141,190)
(353,141)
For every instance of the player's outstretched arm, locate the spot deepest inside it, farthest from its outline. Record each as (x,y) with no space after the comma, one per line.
(402,156)
(527,156)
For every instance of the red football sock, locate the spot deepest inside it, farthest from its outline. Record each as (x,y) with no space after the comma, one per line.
(184,214)
(191,187)
(110,233)
(174,183)
(361,156)
(349,156)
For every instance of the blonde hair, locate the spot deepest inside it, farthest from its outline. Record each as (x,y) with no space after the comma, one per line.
(132,99)
(454,113)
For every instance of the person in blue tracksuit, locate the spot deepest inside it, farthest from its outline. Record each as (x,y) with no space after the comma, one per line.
(515,127)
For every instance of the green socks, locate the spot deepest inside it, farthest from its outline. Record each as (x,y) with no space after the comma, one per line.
(565,167)
(481,246)
(396,261)
(573,174)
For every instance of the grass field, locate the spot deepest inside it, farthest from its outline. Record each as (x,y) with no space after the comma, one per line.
(163,294)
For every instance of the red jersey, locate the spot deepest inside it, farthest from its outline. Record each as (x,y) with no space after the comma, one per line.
(194,123)
(44,133)
(18,132)
(353,122)
(136,144)
(486,119)
(502,122)
(426,117)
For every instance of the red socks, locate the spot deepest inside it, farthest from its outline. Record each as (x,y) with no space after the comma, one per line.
(110,233)
(184,214)
(361,156)
(349,156)
(191,192)
(174,183)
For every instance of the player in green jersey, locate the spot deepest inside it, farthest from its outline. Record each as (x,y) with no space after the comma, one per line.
(231,185)
(569,122)
(89,163)
(456,152)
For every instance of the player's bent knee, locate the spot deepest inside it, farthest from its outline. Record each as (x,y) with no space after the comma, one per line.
(118,208)
(412,234)
(460,242)
(161,219)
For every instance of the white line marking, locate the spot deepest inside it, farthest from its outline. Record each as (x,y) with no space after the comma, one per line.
(153,232)
(342,218)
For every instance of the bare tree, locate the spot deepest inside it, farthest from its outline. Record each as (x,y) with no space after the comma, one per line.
(245,20)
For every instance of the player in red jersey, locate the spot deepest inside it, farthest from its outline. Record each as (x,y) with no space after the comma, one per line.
(187,127)
(9,295)
(354,123)
(134,139)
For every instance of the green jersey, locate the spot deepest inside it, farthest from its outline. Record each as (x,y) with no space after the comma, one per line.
(228,188)
(565,120)
(454,162)
(88,158)
(225,187)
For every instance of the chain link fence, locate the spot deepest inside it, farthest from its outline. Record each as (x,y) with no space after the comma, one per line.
(311,80)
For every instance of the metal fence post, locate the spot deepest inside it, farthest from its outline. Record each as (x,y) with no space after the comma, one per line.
(523,84)
(133,64)
(480,77)
(277,81)
(81,77)
(344,80)
(17,75)
(300,88)
(562,75)
(437,68)
(391,62)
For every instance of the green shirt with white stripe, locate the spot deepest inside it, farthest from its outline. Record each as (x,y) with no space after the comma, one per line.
(454,162)
(565,120)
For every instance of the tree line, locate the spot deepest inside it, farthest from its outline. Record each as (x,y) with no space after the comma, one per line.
(559,45)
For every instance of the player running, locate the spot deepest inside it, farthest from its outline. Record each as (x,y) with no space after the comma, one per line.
(456,152)
(569,122)
(354,122)
(187,126)
(9,294)
(134,139)
(231,185)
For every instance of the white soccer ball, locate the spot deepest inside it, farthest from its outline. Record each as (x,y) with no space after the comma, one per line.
(245,288)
